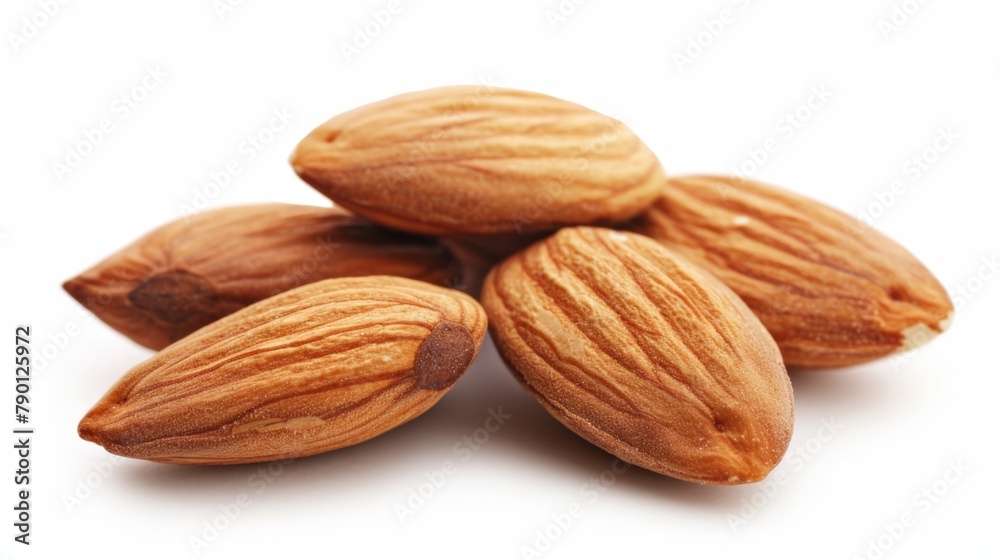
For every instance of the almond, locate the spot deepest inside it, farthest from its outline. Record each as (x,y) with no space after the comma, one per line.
(190,272)
(830,290)
(643,354)
(320,367)
(468,159)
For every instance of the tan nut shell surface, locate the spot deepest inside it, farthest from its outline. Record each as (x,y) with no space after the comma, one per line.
(643,354)
(320,367)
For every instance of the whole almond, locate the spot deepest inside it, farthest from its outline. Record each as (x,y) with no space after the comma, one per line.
(830,290)
(320,367)
(192,271)
(643,354)
(472,159)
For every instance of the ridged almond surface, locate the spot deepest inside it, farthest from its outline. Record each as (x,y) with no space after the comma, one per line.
(190,272)
(472,159)
(831,291)
(320,367)
(643,354)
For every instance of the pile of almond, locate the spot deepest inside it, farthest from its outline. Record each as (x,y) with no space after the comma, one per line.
(653,316)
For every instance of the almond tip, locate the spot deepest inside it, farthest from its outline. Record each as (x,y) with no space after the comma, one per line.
(88,430)
(919,334)
(75,288)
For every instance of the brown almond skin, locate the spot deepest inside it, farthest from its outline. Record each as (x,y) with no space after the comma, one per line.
(316,368)
(478,160)
(643,354)
(190,272)
(831,291)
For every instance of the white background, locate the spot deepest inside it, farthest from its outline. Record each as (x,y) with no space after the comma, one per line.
(899,424)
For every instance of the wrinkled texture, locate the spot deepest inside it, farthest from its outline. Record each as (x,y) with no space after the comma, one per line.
(468,159)
(320,367)
(190,272)
(643,354)
(830,290)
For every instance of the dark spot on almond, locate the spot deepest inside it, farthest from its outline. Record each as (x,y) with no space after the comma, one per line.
(897,294)
(443,356)
(173,296)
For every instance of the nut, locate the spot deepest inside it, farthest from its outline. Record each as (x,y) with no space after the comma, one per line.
(193,271)
(831,291)
(642,354)
(468,159)
(320,367)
